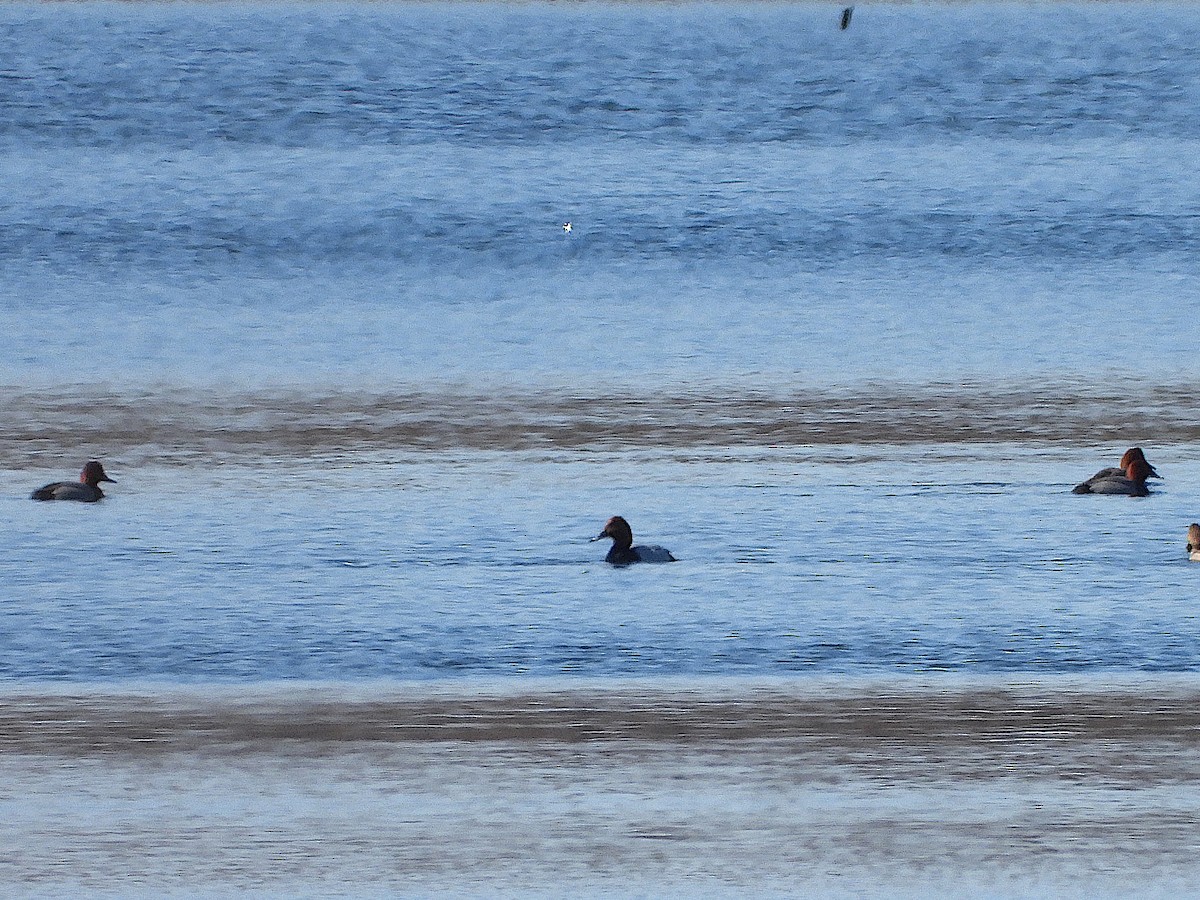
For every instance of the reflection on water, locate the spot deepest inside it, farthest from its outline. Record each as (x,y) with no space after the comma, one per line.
(176,424)
(871,721)
(954,789)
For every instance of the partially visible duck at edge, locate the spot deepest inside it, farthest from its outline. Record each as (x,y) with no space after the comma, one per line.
(1194,542)
(1131,483)
(622,552)
(1130,455)
(85,490)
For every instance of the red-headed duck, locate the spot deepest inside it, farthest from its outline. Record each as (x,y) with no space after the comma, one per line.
(1194,542)
(622,552)
(1130,483)
(1130,455)
(85,490)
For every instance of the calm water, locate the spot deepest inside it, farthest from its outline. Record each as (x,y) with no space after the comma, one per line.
(840,319)
(346,194)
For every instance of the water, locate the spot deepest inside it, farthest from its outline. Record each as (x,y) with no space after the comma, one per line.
(375,194)
(439,567)
(841,318)
(835,788)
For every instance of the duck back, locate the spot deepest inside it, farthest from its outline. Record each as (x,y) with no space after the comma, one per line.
(69,490)
(653,553)
(1118,485)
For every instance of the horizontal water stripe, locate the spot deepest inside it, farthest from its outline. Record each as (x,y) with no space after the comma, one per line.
(71,422)
(922,717)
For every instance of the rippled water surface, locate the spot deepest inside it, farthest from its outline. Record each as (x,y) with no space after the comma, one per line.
(332,193)
(840,318)
(445,565)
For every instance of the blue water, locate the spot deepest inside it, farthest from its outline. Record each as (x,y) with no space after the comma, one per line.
(225,201)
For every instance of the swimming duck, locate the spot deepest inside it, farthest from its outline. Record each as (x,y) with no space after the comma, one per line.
(1130,483)
(1194,542)
(85,490)
(622,552)
(1129,456)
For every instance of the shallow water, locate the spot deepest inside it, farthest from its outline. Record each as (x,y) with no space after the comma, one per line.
(189,427)
(449,565)
(841,318)
(838,789)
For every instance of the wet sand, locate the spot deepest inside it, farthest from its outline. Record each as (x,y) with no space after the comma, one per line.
(1004,718)
(962,790)
(180,425)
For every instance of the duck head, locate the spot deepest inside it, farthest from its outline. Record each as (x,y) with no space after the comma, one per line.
(1131,454)
(620,532)
(93,473)
(1138,471)
(1135,453)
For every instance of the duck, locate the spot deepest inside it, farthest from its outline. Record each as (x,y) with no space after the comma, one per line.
(85,490)
(622,552)
(1129,456)
(1130,483)
(1193,544)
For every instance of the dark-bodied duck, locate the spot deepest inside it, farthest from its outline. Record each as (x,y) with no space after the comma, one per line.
(622,552)
(85,490)
(1130,455)
(1194,542)
(1130,483)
